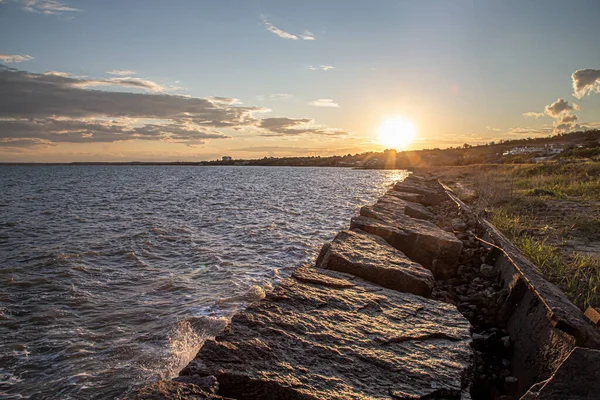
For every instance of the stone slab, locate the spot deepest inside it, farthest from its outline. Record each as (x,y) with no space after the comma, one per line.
(410,208)
(327,335)
(370,257)
(432,193)
(577,378)
(422,241)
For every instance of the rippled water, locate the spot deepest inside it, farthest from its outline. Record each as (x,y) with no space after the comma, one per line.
(112,276)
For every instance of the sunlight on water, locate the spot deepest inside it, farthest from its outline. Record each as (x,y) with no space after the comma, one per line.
(114,276)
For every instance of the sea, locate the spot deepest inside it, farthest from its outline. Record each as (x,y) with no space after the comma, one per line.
(112,277)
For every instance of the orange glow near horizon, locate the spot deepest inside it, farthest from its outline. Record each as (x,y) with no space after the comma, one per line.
(396,132)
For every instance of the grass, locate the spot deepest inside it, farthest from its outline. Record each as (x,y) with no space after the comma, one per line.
(539,207)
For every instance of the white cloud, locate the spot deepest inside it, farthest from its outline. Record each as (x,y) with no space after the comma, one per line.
(324,103)
(14,58)
(533,114)
(586,81)
(121,72)
(274,97)
(124,82)
(322,68)
(227,101)
(489,128)
(48,7)
(307,35)
(557,108)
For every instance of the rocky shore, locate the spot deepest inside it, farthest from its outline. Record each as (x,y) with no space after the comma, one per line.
(419,299)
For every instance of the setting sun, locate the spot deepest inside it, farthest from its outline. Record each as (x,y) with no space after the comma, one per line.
(396,132)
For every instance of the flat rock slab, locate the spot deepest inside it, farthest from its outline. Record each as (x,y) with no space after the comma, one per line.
(370,257)
(422,241)
(410,208)
(327,335)
(578,378)
(432,193)
(414,197)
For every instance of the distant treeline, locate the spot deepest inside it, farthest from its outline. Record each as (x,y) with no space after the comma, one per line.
(576,144)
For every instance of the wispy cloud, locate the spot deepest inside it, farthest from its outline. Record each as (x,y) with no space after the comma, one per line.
(534,114)
(283,126)
(137,83)
(274,97)
(14,58)
(307,35)
(586,81)
(48,7)
(322,68)
(121,72)
(324,103)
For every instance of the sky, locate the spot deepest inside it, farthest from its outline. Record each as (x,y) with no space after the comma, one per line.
(141,80)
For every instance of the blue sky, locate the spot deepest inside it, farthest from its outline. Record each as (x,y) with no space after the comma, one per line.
(323,74)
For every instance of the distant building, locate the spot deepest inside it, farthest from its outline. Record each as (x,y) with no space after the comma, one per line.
(549,149)
(227,158)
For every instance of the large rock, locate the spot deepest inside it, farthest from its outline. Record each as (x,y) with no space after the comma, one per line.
(410,208)
(422,241)
(578,378)
(432,193)
(170,390)
(373,259)
(413,197)
(326,335)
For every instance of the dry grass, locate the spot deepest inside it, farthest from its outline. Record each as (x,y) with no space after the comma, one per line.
(516,198)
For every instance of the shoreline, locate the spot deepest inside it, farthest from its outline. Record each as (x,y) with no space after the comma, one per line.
(492,326)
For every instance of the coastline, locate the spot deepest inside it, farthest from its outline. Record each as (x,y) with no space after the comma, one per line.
(419,299)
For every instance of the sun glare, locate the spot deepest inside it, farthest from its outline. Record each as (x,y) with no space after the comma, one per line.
(396,132)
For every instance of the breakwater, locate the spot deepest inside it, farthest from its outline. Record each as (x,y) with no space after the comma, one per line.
(419,299)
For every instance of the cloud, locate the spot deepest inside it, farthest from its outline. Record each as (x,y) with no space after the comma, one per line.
(55,108)
(533,114)
(275,97)
(121,72)
(224,100)
(568,118)
(14,58)
(48,7)
(283,126)
(137,83)
(322,68)
(586,81)
(489,128)
(307,35)
(557,108)
(324,103)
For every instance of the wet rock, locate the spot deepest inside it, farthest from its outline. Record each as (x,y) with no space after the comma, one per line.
(420,240)
(314,341)
(371,258)
(208,383)
(171,390)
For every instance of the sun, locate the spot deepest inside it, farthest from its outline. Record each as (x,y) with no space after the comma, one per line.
(396,132)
